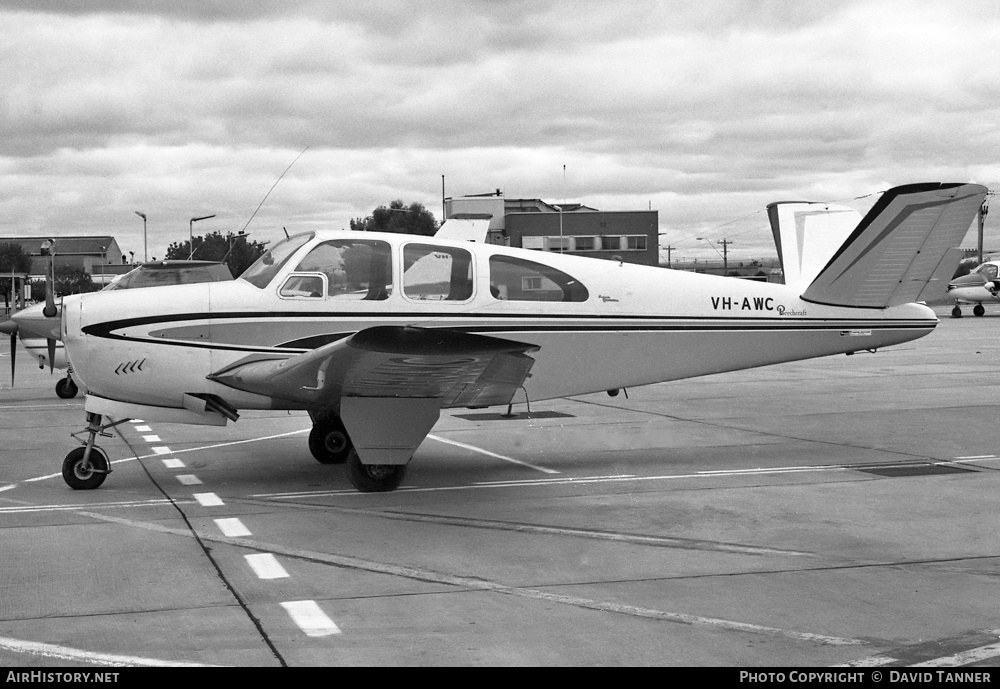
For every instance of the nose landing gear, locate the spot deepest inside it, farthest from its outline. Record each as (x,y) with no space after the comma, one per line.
(85,468)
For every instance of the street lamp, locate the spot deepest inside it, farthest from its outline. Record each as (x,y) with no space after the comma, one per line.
(143,216)
(191,232)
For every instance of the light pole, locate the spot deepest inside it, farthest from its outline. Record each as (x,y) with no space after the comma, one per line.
(144,255)
(191,232)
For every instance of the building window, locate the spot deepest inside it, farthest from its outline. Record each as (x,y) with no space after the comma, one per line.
(611,243)
(584,243)
(515,279)
(557,243)
(440,273)
(635,242)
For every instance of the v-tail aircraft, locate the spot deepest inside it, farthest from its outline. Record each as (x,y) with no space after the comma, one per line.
(374,334)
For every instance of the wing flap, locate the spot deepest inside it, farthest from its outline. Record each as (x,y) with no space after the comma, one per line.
(895,250)
(459,369)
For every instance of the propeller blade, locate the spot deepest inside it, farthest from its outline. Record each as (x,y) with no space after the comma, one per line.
(13,353)
(50,302)
(52,354)
(48,248)
(10,327)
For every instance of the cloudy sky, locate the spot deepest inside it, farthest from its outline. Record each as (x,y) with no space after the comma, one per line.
(705,111)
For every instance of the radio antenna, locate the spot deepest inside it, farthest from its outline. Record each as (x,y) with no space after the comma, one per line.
(265,199)
(272,188)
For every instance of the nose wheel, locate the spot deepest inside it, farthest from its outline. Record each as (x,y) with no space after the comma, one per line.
(81,472)
(85,468)
(66,389)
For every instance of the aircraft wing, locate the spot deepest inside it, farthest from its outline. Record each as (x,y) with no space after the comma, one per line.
(899,246)
(458,369)
(389,383)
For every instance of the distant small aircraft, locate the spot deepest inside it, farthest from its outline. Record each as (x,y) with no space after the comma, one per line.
(374,334)
(981,285)
(150,274)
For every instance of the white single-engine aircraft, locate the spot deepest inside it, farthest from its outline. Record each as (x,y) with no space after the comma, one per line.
(982,284)
(373,334)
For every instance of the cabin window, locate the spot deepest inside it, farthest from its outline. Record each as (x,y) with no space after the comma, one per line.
(437,273)
(515,279)
(354,268)
(303,286)
(989,271)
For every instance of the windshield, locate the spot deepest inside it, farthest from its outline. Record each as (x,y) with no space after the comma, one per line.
(268,265)
(154,276)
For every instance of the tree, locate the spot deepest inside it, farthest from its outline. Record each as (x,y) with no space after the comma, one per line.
(13,259)
(235,249)
(412,219)
(72,281)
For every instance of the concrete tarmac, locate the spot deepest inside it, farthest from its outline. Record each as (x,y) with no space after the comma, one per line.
(832,512)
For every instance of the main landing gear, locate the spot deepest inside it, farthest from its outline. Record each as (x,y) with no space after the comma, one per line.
(977,310)
(329,443)
(85,468)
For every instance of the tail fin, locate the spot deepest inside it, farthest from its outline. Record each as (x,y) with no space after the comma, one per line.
(899,247)
(471,229)
(807,235)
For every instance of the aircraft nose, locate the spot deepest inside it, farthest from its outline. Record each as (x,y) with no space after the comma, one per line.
(33,321)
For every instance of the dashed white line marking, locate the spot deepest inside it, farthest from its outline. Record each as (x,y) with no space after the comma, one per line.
(162,450)
(143,429)
(138,421)
(232,527)
(266,566)
(188,479)
(151,438)
(173,463)
(208,499)
(310,618)
(475,583)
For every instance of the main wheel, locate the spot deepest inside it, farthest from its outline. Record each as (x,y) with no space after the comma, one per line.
(374,478)
(329,442)
(978,310)
(79,477)
(66,388)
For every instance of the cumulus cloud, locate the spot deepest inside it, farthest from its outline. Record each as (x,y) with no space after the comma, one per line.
(703,111)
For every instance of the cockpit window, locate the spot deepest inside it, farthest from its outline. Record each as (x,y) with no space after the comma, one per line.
(267,266)
(989,271)
(355,268)
(516,279)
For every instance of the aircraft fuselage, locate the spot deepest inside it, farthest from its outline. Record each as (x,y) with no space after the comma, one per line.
(628,326)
